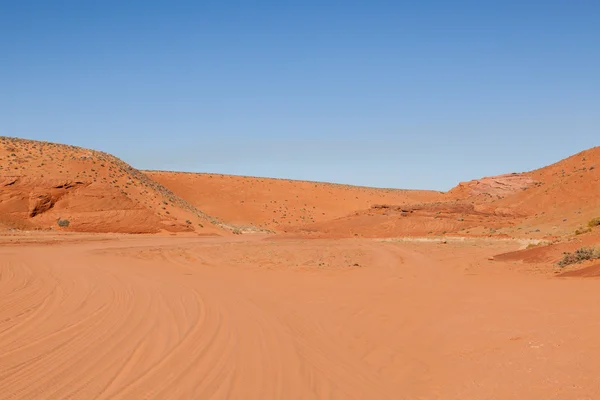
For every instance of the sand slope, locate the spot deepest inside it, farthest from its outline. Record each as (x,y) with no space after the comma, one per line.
(566,196)
(382,221)
(552,202)
(279,204)
(43,182)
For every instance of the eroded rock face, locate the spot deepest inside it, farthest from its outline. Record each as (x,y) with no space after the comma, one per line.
(40,203)
(8,180)
(501,185)
(41,182)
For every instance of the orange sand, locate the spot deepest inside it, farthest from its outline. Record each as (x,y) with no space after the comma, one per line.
(109,317)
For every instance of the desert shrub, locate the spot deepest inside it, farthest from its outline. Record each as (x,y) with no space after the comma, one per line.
(187,221)
(580,255)
(594,222)
(237,232)
(582,230)
(63,223)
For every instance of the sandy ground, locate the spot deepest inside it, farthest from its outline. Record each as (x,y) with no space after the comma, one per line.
(147,317)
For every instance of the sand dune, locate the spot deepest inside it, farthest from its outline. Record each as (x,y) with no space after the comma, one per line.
(280,204)
(566,197)
(42,183)
(552,202)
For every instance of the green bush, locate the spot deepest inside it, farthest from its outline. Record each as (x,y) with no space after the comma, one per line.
(580,255)
(63,223)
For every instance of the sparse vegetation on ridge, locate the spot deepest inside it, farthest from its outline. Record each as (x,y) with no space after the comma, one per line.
(582,230)
(580,255)
(594,222)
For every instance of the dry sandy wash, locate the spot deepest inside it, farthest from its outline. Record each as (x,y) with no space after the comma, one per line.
(255,317)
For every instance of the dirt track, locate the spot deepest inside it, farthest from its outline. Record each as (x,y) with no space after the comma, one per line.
(186,318)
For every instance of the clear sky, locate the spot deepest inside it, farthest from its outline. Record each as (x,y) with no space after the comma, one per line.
(406,94)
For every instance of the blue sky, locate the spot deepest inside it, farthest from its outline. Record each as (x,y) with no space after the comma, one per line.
(405,94)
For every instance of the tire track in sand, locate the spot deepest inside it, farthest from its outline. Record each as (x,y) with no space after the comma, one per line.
(95,325)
